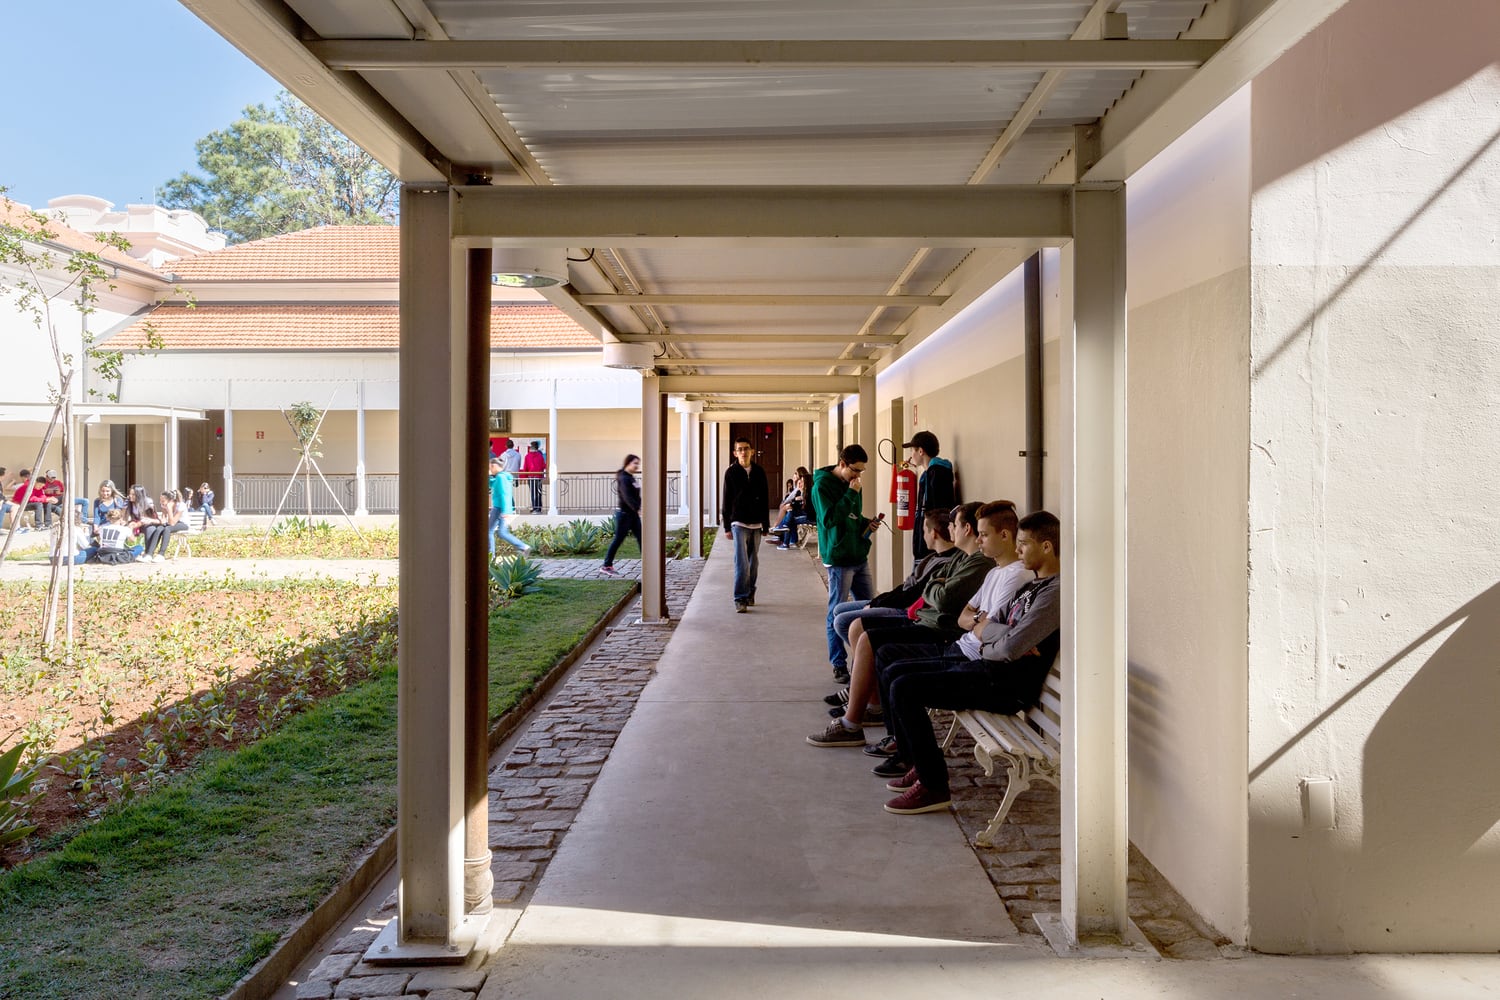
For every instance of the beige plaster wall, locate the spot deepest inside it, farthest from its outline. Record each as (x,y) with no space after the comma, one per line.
(1188,288)
(1375,407)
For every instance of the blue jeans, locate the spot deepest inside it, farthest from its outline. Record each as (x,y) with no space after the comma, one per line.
(498,526)
(845,582)
(849,612)
(746,561)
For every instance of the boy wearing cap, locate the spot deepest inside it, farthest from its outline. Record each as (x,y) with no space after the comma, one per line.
(935,488)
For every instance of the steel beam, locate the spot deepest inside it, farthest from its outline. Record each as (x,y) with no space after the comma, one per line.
(1163,105)
(658,299)
(647,55)
(857,216)
(771,339)
(758,384)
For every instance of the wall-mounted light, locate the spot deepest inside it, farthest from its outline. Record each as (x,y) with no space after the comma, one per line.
(518,267)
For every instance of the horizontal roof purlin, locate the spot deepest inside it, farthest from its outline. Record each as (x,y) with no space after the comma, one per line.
(332,327)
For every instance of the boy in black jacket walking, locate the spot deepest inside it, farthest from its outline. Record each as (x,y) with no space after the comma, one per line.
(747,499)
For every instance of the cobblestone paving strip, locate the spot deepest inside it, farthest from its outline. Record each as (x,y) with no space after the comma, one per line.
(536,791)
(1025,862)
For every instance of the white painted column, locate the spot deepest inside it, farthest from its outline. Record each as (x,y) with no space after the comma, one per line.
(1094,833)
(552,453)
(170,471)
(867,432)
(653,500)
(430,753)
(823,455)
(684,422)
(692,474)
(361,490)
(226,507)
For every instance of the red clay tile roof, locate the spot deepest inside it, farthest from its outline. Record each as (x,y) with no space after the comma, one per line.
(333,327)
(327,253)
(19,216)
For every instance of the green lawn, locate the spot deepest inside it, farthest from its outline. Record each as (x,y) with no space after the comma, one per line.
(179,894)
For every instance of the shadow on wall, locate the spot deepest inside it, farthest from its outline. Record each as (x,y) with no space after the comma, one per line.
(1441,43)
(1432,791)
(1418,876)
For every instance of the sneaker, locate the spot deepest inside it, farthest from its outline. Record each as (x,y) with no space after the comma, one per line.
(837,736)
(917,799)
(841,676)
(740,607)
(839,697)
(891,767)
(903,783)
(885,748)
(609,571)
(751,600)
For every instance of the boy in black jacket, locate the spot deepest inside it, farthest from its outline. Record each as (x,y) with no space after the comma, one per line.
(747,500)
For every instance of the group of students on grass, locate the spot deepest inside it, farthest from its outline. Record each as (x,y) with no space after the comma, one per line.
(975,626)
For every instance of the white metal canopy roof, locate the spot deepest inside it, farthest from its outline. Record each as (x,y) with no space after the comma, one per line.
(646,116)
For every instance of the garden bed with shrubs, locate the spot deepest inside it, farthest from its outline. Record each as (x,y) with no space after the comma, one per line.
(219,755)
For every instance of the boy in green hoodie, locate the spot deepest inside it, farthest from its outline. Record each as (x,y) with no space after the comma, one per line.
(843,542)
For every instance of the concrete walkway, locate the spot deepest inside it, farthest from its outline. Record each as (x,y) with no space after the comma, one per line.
(718,855)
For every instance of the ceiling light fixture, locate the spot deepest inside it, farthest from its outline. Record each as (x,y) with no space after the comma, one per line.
(531,267)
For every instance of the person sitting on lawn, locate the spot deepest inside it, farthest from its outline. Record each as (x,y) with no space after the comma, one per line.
(1016,653)
(115,536)
(932,618)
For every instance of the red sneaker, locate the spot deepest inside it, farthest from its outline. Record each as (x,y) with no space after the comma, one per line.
(917,799)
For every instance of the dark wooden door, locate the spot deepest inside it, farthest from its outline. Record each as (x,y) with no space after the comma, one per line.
(200,453)
(767,441)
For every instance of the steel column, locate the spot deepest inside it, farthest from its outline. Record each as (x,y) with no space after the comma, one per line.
(653,500)
(430,752)
(1094,833)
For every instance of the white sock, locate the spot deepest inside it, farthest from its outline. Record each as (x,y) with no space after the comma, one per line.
(850,726)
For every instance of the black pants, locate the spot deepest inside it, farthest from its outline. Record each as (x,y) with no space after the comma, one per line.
(979,684)
(627,522)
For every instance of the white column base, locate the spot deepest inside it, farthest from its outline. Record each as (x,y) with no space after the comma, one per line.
(387,950)
(1059,935)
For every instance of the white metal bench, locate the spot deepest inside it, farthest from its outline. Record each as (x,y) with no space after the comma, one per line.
(1028,742)
(181,540)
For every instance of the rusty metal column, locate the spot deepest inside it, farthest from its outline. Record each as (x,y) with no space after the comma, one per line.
(653,500)
(479,881)
(865,432)
(897,570)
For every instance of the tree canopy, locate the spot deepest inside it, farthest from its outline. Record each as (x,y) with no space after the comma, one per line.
(280,169)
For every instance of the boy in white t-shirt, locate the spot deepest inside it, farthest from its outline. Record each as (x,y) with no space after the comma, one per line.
(114,540)
(997,539)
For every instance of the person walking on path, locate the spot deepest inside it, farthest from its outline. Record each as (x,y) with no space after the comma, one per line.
(627,510)
(936,489)
(843,542)
(747,500)
(532,467)
(502,505)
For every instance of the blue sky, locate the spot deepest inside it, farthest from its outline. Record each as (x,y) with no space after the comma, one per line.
(107,97)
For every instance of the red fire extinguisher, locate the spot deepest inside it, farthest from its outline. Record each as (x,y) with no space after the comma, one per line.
(903,495)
